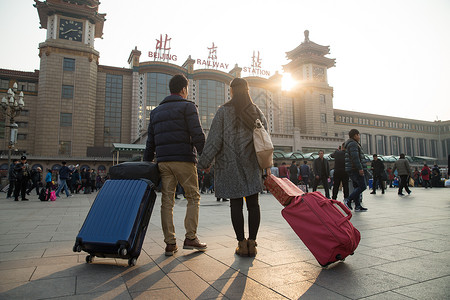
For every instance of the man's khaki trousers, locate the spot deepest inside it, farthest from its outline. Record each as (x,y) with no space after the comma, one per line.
(185,173)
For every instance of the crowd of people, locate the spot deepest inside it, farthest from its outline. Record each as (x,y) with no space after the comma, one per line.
(23,180)
(377,175)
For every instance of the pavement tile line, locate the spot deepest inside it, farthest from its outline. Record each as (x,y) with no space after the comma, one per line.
(392,216)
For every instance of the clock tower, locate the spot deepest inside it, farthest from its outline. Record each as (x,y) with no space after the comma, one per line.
(67,77)
(313,98)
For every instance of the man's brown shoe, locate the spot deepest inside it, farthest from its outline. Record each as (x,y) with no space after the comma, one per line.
(171,249)
(194,244)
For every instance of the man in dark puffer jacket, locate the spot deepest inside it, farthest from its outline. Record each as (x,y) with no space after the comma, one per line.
(177,137)
(355,167)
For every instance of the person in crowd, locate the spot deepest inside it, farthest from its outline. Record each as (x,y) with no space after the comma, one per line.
(237,175)
(75,180)
(322,173)
(36,178)
(435,176)
(377,168)
(12,178)
(64,174)
(48,181)
(207,181)
(274,170)
(176,136)
(391,176)
(416,176)
(93,178)
(85,179)
(22,171)
(283,170)
(200,175)
(305,172)
(98,182)
(355,166)
(293,173)
(404,171)
(425,173)
(340,176)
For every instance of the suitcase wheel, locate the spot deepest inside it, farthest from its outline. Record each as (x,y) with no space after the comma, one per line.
(89,259)
(122,251)
(132,261)
(77,248)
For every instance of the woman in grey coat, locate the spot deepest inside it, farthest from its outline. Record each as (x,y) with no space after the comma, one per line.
(236,170)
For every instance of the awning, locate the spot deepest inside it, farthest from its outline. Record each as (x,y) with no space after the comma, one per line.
(127,148)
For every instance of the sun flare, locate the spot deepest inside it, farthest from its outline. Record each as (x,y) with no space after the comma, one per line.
(287,82)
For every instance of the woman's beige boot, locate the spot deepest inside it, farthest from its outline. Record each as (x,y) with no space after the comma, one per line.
(242,249)
(252,248)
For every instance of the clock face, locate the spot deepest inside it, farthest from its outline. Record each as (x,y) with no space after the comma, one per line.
(318,73)
(70,30)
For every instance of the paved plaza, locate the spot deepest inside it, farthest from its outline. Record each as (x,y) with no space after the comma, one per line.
(404,254)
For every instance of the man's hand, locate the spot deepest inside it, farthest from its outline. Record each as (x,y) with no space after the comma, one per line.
(361,172)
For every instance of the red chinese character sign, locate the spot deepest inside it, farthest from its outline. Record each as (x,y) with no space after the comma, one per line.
(212,52)
(255,69)
(162,50)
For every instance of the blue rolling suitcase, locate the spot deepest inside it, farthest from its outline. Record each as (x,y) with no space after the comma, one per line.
(117,221)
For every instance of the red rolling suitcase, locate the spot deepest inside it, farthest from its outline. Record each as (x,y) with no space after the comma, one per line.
(324,229)
(282,189)
(117,221)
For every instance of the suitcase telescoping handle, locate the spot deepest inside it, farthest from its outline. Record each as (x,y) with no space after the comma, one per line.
(341,205)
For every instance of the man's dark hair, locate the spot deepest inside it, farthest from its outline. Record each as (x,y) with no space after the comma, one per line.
(293,161)
(177,83)
(321,151)
(402,155)
(305,162)
(375,155)
(63,162)
(283,163)
(275,165)
(352,133)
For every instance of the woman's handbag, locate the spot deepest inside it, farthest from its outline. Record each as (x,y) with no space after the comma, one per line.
(263,145)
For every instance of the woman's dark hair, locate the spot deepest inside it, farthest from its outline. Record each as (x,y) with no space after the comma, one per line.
(243,104)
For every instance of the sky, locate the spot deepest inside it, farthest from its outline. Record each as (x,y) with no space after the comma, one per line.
(392,57)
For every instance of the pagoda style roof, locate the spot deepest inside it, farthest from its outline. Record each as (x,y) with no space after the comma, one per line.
(308,47)
(309,52)
(87,9)
(309,59)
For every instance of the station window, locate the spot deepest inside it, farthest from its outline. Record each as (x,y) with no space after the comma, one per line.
(323,118)
(65,147)
(67,92)
(65,120)
(69,64)
(322,99)
(4,83)
(22,124)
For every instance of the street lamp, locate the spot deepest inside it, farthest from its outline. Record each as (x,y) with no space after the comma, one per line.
(12,108)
